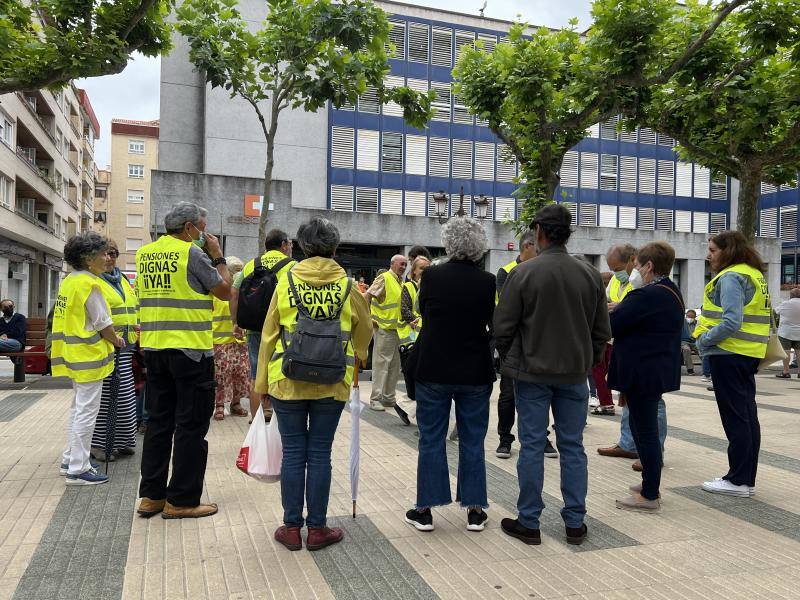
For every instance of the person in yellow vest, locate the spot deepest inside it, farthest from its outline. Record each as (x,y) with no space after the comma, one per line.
(231,364)
(278,251)
(408,329)
(308,412)
(124,306)
(733,332)
(384,298)
(83,342)
(176,277)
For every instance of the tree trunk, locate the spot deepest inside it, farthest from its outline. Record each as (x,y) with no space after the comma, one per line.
(264,218)
(749,192)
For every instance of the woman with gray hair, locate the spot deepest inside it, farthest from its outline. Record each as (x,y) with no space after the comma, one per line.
(451,361)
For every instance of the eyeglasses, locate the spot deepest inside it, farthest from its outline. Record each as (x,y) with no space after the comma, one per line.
(113,253)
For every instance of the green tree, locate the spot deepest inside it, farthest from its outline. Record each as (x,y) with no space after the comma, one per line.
(307,52)
(539,92)
(47,43)
(735,107)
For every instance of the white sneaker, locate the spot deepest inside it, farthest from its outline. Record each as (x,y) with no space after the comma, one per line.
(705,379)
(725,487)
(752,487)
(594,401)
(376,405)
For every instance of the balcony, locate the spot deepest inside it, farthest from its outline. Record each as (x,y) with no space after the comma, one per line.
(40,110)
(35,156)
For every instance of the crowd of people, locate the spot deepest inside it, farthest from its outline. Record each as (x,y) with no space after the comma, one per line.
(289,335)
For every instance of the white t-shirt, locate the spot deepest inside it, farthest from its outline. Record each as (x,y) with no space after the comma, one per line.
(789,311)
(97,317)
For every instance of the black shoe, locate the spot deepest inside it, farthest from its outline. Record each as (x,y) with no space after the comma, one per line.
(512,527)
(576,535)
(503,450)
(549,451)
(421,520)
(402,414)
(476,519)
(690,371)
(710,388)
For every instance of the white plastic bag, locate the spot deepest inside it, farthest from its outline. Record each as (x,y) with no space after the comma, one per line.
(262,451)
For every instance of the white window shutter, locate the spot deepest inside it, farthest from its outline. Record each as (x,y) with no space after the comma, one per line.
(368,143)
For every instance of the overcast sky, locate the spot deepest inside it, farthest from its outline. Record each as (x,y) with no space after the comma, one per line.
(133,94)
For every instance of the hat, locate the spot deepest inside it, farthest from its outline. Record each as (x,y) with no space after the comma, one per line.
(553,214)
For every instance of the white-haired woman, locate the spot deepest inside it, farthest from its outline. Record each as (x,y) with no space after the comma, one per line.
(231,362)
(451,361)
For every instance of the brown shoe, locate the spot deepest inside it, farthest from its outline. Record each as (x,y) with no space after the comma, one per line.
(616,452)
(639,503)
(237,410)
(321,537)
(637,466)
(150,508)
(289,537)
(188,512)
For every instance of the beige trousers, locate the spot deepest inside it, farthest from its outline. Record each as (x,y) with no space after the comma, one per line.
(385,366)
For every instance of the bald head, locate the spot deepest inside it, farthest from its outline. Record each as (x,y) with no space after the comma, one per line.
(399,264)
(620,257)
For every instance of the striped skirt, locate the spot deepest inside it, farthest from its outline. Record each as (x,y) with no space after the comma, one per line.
(125,424)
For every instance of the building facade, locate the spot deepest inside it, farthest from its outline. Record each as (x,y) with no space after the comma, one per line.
(47,187)
(376,177)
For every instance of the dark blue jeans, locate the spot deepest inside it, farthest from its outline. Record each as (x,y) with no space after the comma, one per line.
(569,403)
(644,412)
(472,420)
(307,428)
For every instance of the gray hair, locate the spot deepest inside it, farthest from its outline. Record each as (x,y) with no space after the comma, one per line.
(318,237)
(235,264)
(464,238)
(529,237)
(182,213)
(81,248)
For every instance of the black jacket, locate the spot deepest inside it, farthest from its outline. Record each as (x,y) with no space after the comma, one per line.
(16,328)
(647,327)
(456,301)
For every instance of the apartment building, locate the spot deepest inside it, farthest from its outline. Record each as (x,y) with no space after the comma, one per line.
(102,183)
(47,188)
(134,155)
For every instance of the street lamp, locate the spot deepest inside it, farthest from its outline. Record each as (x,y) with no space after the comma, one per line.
(482,207)
(442,201)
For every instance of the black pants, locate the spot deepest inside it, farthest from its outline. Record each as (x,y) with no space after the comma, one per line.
(643,410)
(735,391)
(408,377)
(180,402)
(506,410)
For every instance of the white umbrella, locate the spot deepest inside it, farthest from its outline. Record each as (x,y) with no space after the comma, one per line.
(355,417)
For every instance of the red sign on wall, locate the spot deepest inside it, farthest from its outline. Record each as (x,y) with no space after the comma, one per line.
(253,204)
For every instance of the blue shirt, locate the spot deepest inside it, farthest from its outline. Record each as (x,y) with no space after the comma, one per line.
(732,292)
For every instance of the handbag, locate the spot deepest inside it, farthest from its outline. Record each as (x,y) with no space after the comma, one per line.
(775,351)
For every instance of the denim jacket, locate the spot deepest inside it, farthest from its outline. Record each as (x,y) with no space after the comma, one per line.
(732,292)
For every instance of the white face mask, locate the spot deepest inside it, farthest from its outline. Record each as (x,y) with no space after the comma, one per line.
(636,280)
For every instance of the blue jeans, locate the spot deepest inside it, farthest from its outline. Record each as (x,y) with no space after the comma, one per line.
(569,403)
(10,345)
(253,345)
(472,421)
(626,437)
(592,385)
(706,366)
(307,428)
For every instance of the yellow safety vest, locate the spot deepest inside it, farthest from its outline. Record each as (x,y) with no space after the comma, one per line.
(222,324)
(617,291)
(404,330)
(320,301)
(124,313)
(387,313)
(507,268)
(753,335)
(269,259)
(81,355)
(172,314)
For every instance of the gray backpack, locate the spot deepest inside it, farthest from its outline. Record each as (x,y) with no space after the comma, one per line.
(316,353)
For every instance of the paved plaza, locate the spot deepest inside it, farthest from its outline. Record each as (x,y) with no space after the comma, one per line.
(87,543)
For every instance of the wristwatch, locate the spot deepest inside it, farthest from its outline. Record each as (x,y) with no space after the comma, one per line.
(219,261)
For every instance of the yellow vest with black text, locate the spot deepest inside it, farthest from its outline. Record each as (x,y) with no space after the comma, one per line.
(507,268)
(387,313)
(404,330)
(83,356)
(269,259)
(617,290)
(753,335)
(222,324)
(321,301)
(124,313)
(172,314)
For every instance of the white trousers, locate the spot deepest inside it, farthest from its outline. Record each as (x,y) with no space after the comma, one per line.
(80,426)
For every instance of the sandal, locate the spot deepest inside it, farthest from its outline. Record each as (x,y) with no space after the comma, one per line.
(784,375)
(237,410)
(219,413)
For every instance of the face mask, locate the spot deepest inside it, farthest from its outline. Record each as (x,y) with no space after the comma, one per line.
(622,276)
(201,241)
(636,280)
(690,321)
(8,311)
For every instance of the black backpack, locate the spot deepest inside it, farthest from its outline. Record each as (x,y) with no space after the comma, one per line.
(255,294)
(316,353)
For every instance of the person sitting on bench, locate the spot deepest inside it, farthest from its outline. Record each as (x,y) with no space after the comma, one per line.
(12,328)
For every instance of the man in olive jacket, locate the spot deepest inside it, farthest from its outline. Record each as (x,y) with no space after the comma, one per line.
(551,326)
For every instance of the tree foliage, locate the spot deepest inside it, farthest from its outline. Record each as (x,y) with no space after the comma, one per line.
(306,53)
(541,90)
(50,42)
(735,106)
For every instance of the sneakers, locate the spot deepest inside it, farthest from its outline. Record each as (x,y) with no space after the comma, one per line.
(503,450)
(421,520)
(376,405)
(718,485)
(321,537)
(705,379)
(63,469)
(607,410)
(289,537)
(90,477)
(476,519)
(512,527)
(403,415)
(549,451)
(594,401)
(639,503)
(690,371)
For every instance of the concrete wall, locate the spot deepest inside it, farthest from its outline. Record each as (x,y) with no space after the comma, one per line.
(223,197)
